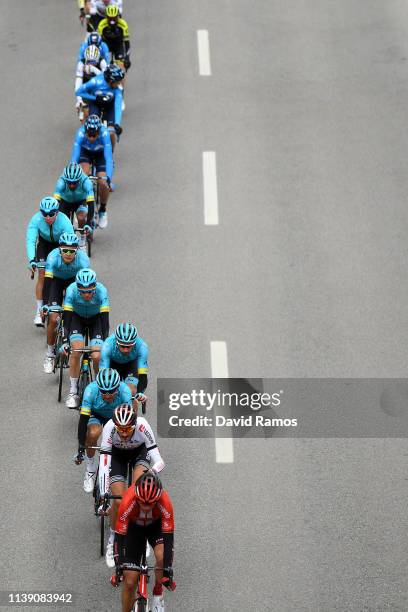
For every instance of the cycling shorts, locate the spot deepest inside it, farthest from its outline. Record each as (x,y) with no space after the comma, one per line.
(108,112)
(95,419)
(136,542)
(95,158)
(78,326)
(44,248)
(127,371)
(69,208)
(57,291)
(120,459)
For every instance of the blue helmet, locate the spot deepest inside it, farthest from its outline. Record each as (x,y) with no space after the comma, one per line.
(49,204)
(94,39)
(92,124)
(113,74)
(72,173)
(108,380)
(67,239)
(126,333)
(86,278)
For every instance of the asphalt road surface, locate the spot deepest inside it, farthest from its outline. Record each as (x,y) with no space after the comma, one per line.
(304,275)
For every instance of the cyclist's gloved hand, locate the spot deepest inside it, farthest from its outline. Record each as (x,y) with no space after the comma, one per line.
(80,456)
(117,129)
(140,397)
(88,229)
(81,14)
(127,63)
(32,265)
(108,180)
(167,579)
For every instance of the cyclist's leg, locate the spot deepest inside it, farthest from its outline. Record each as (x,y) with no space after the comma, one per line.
(92,435)
(85,161)
(155,539)
(77,342)
(42,251)
(135,546)
(95,334)
(55,299)
(81,212)
(128,373)
(142,464)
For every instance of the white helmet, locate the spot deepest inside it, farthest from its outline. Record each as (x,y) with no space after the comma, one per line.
(92,54)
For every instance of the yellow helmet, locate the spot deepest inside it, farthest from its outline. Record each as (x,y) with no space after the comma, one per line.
(112,11)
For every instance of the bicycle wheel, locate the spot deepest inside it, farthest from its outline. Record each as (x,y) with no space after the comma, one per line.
(83,382)
(60,377)
(89,246)
(141,605)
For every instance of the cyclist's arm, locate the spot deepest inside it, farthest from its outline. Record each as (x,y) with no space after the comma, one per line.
(105,324)
(68,310)
(79,77)
(83,426)
(167,521)
(107,151)
(105,53)
(86,91)
(150,442)
(76,148)
(105,356)
(118,105)
(105,457)
(142,367)
(49,275)
(81,4)
(31,237)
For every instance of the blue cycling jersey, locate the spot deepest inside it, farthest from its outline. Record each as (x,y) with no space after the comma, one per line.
(51,233)
(101,144)
(88,91)
(55,267)
(83,191)
(93,402)
(139,352)
(74,302)
(103,48)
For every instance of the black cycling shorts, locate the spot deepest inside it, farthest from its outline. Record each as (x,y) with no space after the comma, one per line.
(108,112)
(57,290)
(135,543)
(125,370)
(95,158)
(69,208)
(43,249)
(120,459)
(80,324)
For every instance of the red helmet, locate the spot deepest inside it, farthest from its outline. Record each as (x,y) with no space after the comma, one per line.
(148,488)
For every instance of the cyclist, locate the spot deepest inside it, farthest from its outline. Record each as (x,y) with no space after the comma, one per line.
(104,96)
(115,32)
(96,9)
(94,39)
(74,192)
(125,438)
(127,353)
(43,233)
(100,399)
(60,269)
(86,305)
(91,65)
(92,147)
(145,511)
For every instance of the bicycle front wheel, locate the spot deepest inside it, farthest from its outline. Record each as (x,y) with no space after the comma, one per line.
(141,605)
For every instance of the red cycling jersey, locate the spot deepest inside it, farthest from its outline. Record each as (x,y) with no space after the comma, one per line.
(130,511)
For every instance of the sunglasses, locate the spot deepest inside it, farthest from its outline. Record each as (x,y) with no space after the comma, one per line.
(50,214)
(68,251)
(89,290)
(125,430)
(127,346)
(92,134)
(73,183)
(110,392)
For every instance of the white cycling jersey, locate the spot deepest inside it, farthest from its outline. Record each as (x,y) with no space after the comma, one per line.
(99,6)
(143,434)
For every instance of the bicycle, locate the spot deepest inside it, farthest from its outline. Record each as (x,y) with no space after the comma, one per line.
(101,502)
(86,375)
(142,593)
(61,360)
(97,196)
(81,232)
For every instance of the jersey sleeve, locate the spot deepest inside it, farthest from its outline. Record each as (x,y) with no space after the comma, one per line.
(125,28)
(105,54)
(87,401)
(49,265)
(118,105)
(104,307)
(107,151)
(76,148)
(88,190)
(31,237)
(167,513)
(105,354)
(69,298)
(86,91)
(143,354)
(127,504)
(59,187)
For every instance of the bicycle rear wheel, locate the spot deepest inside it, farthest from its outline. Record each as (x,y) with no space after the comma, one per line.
(141,605)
